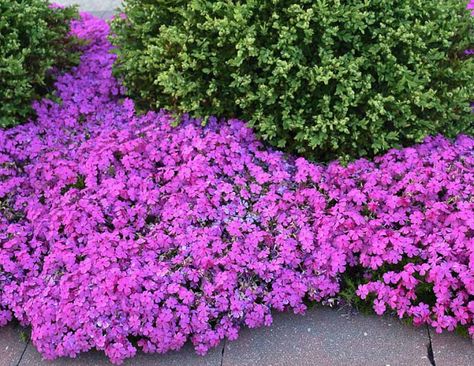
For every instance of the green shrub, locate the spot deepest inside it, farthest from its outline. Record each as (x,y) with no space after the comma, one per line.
(33,38)
(323,78)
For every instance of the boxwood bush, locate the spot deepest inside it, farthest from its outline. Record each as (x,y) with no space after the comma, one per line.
(33,38)
(324,78)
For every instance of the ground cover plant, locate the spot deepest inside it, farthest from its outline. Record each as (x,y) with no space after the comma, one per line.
(34,37)
(321,78)
(119,231)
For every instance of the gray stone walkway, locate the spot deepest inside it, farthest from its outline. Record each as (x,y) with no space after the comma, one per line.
(100,8)
(323,337)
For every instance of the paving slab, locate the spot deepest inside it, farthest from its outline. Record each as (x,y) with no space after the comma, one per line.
(185,357)
(323,337)
(98,14)
(327,337)
(11,345)
(92,5)
(107,14)
(450,349)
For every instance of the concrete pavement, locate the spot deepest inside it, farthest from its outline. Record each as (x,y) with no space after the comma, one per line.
(322,337)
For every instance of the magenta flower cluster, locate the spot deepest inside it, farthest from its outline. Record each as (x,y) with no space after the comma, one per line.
(119,231)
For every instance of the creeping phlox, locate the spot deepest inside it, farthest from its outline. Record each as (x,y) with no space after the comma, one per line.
(118,230)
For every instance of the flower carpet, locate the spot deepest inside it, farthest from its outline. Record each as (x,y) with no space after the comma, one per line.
(120,231)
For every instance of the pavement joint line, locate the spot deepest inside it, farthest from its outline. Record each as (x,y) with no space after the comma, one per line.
(223,351)
(23,353)
(429,347)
